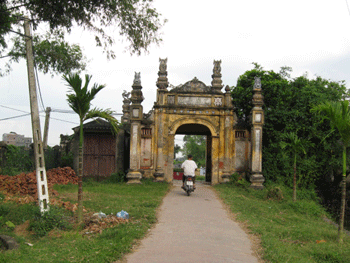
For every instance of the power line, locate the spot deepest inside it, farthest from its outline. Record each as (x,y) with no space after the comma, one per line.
(63,120)
(38,83)
(73,112)
(347,4)
(14,117)
(13,109)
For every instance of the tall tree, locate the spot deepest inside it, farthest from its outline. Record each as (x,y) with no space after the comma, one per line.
(79,99)
(195,145)
(137,20)
(177,149)
(338,113)
(296,146)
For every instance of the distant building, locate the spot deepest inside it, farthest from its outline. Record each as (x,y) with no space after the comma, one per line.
(13,138)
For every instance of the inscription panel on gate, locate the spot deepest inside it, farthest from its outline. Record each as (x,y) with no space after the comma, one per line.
(194,101)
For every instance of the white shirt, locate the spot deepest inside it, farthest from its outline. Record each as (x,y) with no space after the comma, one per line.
(189,167)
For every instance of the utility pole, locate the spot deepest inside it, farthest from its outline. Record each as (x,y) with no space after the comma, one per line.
(46,127)
(43,193)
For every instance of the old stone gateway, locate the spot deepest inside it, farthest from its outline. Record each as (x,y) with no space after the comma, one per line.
(146,142)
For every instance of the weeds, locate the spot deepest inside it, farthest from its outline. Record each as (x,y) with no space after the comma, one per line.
(55,218)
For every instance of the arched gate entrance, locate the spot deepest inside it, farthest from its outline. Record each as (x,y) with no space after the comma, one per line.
(191,108)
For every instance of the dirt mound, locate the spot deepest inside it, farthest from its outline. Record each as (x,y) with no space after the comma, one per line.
(25,184)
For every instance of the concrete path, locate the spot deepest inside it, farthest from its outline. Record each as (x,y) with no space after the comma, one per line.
(193,228)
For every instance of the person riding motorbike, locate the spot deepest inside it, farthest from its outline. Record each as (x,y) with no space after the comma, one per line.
(189,166)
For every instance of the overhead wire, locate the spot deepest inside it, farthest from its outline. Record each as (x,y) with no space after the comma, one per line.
(347,4)
(14,117)
(13,109)
(37,75)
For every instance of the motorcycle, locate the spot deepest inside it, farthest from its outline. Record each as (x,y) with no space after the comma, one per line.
(188,185)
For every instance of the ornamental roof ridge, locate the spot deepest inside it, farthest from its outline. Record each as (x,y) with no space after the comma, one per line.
(192,86)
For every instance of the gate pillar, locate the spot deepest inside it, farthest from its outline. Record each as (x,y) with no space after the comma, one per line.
(257,179)
(134,175)
(215,159)
(162,84)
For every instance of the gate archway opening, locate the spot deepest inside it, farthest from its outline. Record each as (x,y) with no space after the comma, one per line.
(201,130)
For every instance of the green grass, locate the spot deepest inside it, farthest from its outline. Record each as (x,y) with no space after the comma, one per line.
(200,178)
(140,201)
(289,230)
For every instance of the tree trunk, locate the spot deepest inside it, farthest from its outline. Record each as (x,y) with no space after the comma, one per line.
(80,175)
(295,179)
(343,200)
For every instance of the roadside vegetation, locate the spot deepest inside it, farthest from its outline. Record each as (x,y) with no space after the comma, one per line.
(54,237)
(290,231)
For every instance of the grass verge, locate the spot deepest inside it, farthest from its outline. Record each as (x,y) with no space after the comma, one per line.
(289,231)
(70,245)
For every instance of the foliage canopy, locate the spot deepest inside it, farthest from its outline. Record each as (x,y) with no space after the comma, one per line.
(287,105)
(137,20)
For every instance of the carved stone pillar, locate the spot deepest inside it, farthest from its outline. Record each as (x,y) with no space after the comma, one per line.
(159,173)
(134,175)
(215,159)
(228,128)
(257,179)
(162,84)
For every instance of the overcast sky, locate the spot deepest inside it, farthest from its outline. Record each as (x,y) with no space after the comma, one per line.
(310,36)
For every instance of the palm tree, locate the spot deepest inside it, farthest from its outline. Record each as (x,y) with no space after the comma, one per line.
(79,99)
(296,145)
(339,115)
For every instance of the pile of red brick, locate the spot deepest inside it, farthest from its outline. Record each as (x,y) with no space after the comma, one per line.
(25,184)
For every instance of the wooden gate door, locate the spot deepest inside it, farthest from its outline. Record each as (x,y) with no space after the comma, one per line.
(99,155)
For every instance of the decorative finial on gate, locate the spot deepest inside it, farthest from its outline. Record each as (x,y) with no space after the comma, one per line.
(137,79)
(126,106)
(162,82)
(258,98)
(136,93)
(217,82)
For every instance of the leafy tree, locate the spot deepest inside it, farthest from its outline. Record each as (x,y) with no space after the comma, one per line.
(79,99)
(138,22)
(338,112)
(195,145)
(295,145)
(287,105)
(177,149)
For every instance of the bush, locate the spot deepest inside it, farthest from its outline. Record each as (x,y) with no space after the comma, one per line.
(239,180)
(275,193)
(67,159)
(55,218)
(17,160)
(118,177)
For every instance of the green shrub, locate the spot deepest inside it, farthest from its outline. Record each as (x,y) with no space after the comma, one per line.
(118,177)
(67,159)
(18,160)
(239,180)
(275,193)
(55,218)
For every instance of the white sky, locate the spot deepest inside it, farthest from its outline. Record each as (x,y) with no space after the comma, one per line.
(308,35)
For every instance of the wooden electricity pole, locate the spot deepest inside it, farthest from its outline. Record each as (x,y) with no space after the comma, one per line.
(43,193)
